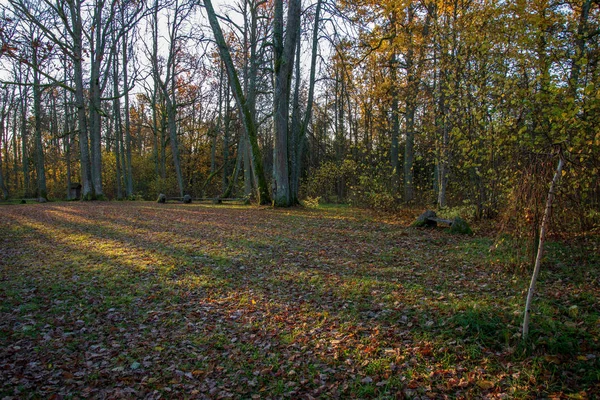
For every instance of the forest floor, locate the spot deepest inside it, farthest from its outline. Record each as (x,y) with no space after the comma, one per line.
(141,300)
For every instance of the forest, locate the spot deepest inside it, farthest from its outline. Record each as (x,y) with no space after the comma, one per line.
(308,137)
(376,104)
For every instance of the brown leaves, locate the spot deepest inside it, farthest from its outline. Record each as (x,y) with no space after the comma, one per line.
(134,300)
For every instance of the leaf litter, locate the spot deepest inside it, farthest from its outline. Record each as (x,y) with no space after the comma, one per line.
(122,300)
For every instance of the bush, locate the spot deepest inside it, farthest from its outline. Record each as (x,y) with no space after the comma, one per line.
(311,202)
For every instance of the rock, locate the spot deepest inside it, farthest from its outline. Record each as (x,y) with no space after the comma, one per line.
(459,225)
(187,199)
(41,200)
(162,199)
(424,220)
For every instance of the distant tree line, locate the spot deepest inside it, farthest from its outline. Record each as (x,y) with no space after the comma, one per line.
(379,104)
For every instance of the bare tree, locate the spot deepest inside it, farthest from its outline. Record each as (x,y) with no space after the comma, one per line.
(242,103)
(284,51)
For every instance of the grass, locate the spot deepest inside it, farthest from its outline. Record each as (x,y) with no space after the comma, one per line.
(138,299)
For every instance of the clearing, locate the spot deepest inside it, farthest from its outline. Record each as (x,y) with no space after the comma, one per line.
(124,300)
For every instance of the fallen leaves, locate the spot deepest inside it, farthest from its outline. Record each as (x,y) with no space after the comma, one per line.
(133,300)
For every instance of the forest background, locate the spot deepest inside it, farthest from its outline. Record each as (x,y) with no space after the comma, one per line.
(462,103)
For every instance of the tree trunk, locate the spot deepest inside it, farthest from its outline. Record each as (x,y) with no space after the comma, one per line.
(250,76)
(87,192)
(172,126)
(283,66)
(15,147)
(540,252)
(67,128)
(128,170)
(244,110)
(24,152)
(295,131)
(227,125)
(118,129)
(301,141)
(409,148)
(579,47)
(444,151)
(2,184)
(95,106)
(394,150)
(37,111)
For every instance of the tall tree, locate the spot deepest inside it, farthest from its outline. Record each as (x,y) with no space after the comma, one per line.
(300,123)
(284,50)
(241,101)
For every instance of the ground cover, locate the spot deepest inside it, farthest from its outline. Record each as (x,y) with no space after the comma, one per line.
(137,299)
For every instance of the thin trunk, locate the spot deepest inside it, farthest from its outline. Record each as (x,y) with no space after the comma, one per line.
(86,173)
(94,113)
(37,111)
(24,152)
(163,144)
(579,47)
(118,129)
(301,140)
(172,126)
(394,150)
(213,143)
(540,252)
(444,152)
(15,152)
(250,76)
(15,147)
(128,168)
(154,102)
(68,153)
(231,184)
(248,173)
(2,184)
(226,143)
(409,152)
(295,130)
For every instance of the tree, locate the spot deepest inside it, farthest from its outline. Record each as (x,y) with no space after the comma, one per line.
(3,115)
(300,125)
(540,252)
(241,101)
(284,51)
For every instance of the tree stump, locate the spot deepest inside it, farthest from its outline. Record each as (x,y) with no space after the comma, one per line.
(187,199)
(162,199)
